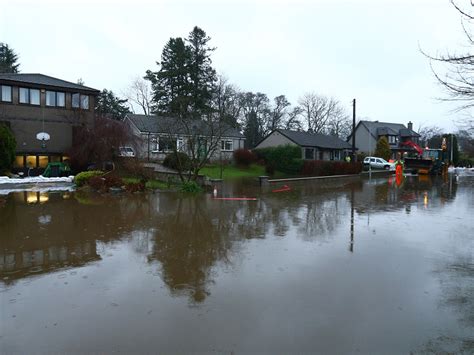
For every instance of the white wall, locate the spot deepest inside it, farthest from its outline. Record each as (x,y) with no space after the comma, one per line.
(273,140)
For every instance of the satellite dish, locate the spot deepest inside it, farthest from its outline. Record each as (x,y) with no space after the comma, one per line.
(43,136)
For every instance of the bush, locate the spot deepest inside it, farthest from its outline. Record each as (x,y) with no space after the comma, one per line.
(382,149)
(244,157)
(134,167)
(7,148)
(284,158)
(190,186)
(328,168)
(177,161)
(83,178)
(103,183)
(135,187)
(96,182)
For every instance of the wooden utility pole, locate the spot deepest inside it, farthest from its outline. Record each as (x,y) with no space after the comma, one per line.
(353,130)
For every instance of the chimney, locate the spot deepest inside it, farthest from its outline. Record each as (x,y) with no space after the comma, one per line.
(410,126)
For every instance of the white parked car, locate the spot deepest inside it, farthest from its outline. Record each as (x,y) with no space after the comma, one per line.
(126,152)
(379,163)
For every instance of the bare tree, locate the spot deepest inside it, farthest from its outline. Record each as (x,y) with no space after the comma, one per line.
(339,123)
(227,101)
(320,112)
(293,119)
(458,68)
(428,132)
(140,94)
(278,112)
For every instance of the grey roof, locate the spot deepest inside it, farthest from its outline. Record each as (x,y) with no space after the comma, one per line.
(45,80)
(172,125)
(377,128)
(315,139)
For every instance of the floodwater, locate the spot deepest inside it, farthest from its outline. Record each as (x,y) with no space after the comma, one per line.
(348,266)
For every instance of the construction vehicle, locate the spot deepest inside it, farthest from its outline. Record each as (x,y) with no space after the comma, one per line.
(427,161)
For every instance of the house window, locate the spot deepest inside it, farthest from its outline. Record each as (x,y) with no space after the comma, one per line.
(80,101)
(337,155)
(29,96)
(309,153)
(50,98)
(84,102)
(392,139)
(227,145)
(6,93)
(166,144)
(60,99)
(75,100)
(180,144)
(54,98)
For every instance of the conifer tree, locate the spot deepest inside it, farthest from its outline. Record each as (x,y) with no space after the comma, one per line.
(8,59)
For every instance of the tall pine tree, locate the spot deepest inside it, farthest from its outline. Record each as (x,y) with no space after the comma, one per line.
(170,85)
(184,85)
(109,105)
(202,75)
(8,59)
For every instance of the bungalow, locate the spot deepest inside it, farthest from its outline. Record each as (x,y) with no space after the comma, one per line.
(314,146)
(158,136)
(367,134)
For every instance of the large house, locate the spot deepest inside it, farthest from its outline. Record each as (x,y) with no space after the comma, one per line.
(314,146)
(158,136)
(34,104)
(367,134)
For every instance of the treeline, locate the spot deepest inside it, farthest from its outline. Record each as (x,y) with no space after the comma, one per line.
(186,84)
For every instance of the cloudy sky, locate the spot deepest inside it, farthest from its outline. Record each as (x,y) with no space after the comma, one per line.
(364,49)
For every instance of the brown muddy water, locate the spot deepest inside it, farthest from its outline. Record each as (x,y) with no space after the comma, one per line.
(348,266)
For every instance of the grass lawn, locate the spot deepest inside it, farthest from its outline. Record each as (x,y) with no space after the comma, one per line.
(150,184)
(232,171)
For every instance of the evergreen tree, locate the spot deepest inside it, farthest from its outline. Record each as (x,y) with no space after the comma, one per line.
(170,85)
(186,81)
(7,148)
(107,104)
(202,75)
(8,59)
(382,149)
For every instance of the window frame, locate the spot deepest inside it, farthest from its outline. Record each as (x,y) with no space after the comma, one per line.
(80,101)
(56,96)
(306,149)
(11,93)
(28,101)
(224,145)
(166,149)
(47,96)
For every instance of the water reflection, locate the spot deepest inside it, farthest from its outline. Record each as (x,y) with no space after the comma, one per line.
(188,236)
(307,257)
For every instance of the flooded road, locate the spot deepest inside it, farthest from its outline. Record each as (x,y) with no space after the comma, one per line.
(348,266)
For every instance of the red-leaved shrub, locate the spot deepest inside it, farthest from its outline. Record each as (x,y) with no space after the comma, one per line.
(244,157)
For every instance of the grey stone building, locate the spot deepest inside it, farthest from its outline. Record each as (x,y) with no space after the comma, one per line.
(158,136)
(367,134)
(35,103)
(314,146)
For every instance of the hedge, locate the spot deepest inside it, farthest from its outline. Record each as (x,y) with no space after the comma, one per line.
(284,158)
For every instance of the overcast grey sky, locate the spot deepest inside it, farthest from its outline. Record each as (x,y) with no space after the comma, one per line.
(365,49)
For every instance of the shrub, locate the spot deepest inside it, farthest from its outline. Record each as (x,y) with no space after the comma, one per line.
(328,168)
(7,148)
(177,161)
(244,157)
(97,183)
(284,158)
(190,186)
(82,178)
(382,149)
(112,181)
(135,187)
(134,167)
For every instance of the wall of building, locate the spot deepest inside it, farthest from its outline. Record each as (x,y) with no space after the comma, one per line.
(364,141)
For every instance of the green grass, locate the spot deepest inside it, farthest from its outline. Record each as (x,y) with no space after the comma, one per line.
(150,184)
(156,184)
(232,171)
